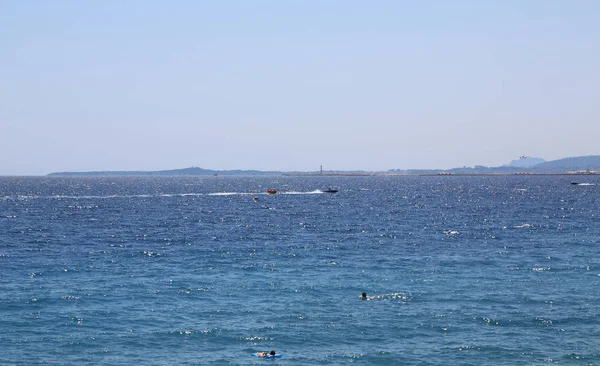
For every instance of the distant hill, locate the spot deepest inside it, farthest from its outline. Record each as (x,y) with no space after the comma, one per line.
(591,162)
(580,163)
(574,164)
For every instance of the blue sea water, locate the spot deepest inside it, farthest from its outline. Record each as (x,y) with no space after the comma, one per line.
(193,270)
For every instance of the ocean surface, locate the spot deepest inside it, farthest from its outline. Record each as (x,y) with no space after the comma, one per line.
(207,270)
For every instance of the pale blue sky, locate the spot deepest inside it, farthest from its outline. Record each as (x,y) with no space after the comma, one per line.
(292,85)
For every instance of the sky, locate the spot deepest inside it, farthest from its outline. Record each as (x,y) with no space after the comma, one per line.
(294,85)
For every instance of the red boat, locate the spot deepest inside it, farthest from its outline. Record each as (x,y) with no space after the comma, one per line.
(271,191)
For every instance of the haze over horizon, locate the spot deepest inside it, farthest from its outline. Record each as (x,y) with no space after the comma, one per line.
(291,86)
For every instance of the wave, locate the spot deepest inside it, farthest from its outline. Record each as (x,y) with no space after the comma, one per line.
(451,232)
(522,226)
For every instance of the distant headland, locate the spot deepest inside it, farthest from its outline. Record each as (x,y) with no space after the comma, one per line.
(524,165)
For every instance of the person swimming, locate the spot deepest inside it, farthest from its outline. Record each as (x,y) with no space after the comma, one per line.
(265,354)
(364,296)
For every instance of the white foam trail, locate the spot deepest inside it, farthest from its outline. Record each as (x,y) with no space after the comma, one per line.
(232,194)
(25,197)
(166,195)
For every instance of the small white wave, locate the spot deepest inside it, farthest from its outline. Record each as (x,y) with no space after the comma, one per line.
(256,338)
(84,207)
(452,232)
(69,297)
(585,184)
(522,226)
(189,290)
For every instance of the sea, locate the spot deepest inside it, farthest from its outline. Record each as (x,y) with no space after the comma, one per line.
(458,270)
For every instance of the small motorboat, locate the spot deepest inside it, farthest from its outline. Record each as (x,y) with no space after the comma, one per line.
(271,191)
(330,190)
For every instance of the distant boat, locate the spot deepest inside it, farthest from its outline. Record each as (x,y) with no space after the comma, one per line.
(330,190)
(271,191)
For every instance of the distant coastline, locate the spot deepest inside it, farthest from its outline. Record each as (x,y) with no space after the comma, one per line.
(582,165)
(383,174)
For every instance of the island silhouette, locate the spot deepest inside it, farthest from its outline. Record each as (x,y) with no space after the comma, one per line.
(524,165)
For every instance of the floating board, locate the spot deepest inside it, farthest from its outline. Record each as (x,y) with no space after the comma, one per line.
(278,355)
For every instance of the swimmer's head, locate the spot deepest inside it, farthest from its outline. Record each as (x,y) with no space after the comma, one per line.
(272,353)
(364,294)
